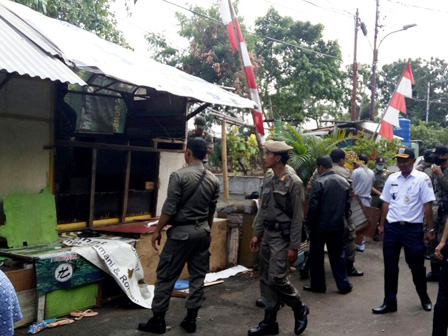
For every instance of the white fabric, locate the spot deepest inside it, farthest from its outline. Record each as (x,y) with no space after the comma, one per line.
(405,87)
(224,11)
(210,277)
(406,196)
(391,116)
(245,54)
(119,260)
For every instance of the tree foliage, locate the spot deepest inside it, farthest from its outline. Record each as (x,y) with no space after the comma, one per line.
(92,15)
(430,135)
(300,71)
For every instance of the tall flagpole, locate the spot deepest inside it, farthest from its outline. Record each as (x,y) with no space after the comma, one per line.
(390,99)
(259,137)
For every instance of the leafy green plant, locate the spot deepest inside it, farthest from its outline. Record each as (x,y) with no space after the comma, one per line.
(307,148)
(374,148)
(241,149)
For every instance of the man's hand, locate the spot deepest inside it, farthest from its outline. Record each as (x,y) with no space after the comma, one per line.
(292,255)
(437,170)
(430,236)
(155,239)
(439,250)
(381,232)
(254,244)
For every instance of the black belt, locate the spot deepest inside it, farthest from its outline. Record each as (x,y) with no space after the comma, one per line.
(405,223)
(276,226)
(190,222)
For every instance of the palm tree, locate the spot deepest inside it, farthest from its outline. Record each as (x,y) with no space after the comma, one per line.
(307,148)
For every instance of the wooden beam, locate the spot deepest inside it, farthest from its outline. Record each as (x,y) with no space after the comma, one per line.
(96,145)
(126,186)
(92,188)
(225,177)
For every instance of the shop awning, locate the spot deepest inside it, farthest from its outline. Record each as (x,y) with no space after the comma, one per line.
(18,54)
(89,52)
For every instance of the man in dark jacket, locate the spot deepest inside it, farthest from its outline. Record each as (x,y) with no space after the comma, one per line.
(327,218)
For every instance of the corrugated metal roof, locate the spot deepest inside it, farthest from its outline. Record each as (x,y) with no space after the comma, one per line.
(20,55)
(93,54)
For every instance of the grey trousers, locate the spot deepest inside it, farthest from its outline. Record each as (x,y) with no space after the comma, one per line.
(185,244)
(349,241)
(274,283)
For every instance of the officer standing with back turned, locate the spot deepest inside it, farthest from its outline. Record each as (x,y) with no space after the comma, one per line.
(189,207)
(279,227)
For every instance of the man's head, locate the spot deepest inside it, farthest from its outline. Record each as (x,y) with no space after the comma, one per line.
(405,159)
(427,156)
(196,149)
(440,155)
(199,123)
(364,158)
(277,152)
(323,164)
(379,162)
(338,156)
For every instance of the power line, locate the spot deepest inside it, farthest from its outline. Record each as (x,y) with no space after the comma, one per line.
(419,7)
(255,34)
(312,4)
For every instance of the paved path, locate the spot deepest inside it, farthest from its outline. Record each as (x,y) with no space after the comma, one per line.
(229,308)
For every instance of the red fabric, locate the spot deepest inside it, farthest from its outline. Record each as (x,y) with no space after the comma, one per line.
(408,74)
(398,102)
(238,29)
(232,37)
(258,121)
(250,77)
(386,130)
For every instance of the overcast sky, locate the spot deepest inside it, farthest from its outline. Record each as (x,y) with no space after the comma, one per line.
(425,41)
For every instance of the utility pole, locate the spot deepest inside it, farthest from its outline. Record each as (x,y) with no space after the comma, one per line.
(374,64)
(427,103)
(355,68)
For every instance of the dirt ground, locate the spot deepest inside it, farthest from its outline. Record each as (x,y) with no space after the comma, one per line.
(229,308)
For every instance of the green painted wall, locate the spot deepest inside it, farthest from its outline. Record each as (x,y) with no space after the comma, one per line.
(30,219)
(60,302)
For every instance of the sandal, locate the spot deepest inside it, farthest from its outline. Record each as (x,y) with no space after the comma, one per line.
(59,322)
(78,314)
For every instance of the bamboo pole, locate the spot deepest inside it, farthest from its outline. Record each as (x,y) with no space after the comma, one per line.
(225,177)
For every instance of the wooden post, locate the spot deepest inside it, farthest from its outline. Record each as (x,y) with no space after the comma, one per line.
(225,177)
(92,188)
(126,187)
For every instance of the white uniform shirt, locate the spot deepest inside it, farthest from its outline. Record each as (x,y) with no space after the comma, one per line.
(406,196)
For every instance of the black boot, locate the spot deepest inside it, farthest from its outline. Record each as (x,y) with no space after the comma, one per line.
(300,317)
(155,324)
(268,326)
(189,322)
(351,269)
(435,271)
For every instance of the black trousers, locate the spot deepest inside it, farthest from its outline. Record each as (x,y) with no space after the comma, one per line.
(440,321)
(336,254)
(411,238)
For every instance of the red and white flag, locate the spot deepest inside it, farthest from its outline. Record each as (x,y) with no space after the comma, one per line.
(226,16)
(397,104)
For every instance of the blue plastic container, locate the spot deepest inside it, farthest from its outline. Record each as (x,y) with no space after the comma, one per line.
(404,131)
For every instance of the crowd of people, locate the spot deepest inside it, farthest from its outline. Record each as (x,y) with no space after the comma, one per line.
(413,204)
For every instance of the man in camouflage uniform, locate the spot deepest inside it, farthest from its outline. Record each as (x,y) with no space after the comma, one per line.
(279,227)
(191,201)
(440,206)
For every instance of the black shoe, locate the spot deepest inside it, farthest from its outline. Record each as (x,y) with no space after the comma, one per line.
(346,291)
(384,309)
(354,272)
(268,326)
(189,322)
(259,303)
(376,237)
(426,304)
(432,276)
(301,319)
(308,288)
(155,324)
